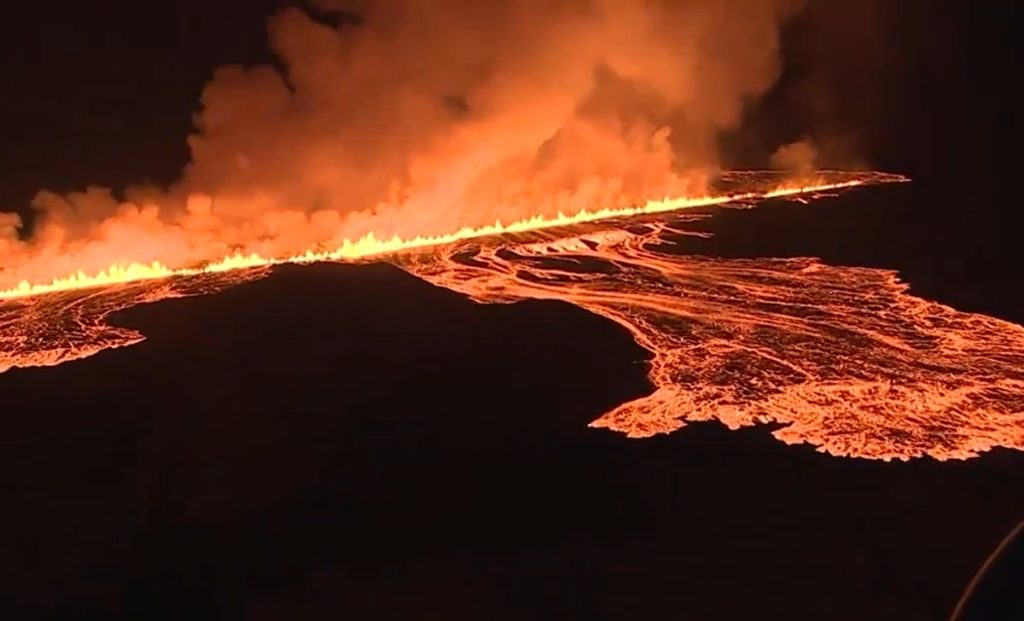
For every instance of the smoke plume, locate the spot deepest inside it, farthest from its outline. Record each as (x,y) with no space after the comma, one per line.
(422,117)
(798,157)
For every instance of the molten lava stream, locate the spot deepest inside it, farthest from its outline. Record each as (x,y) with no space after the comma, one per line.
(842,358)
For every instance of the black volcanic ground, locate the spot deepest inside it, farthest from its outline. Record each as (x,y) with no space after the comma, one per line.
(350,442)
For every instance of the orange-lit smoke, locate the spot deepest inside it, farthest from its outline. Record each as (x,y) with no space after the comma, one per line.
(798,157)
(424,118)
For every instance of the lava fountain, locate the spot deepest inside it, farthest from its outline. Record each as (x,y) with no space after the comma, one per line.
(840,358)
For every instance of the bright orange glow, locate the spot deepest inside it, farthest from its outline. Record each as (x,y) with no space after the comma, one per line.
(369,246)
(841,358)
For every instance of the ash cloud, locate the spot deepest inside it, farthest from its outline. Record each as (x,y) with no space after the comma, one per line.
(423,117)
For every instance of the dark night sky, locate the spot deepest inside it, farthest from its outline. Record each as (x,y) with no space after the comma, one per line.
(103,92)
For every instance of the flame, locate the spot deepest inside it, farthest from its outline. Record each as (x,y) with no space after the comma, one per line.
(370,246)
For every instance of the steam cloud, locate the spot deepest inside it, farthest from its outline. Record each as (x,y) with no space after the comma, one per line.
(799,156)
(425,117)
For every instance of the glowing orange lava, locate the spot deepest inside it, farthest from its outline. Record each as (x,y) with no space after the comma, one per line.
(369,246)
(840,358)
(843,358)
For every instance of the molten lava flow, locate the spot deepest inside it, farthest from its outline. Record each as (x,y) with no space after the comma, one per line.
(63,326)
(842,357)
(370,246)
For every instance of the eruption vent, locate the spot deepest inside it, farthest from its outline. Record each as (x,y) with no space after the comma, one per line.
(841,358)
(418,119)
